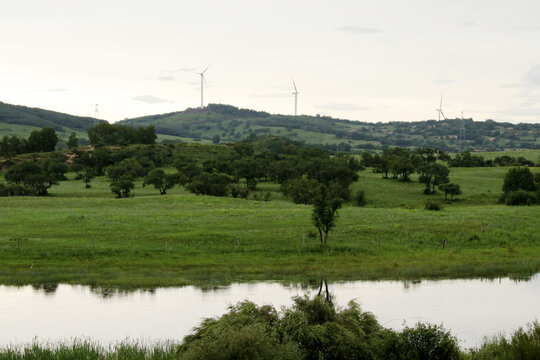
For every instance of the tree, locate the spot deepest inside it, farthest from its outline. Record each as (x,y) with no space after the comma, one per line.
(73,142)
(89,174)
(450,189)
(300,190)
(32,176)
(44,140)
(216,139)
(122,186)
(519,178)
(215,184)
(432,175)
(162,181)
(325,207)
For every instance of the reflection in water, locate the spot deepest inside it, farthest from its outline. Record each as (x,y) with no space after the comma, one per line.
(469,308)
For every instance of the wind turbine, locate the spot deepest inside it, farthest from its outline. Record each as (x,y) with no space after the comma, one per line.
(295,93)
(203,81)
(439,110)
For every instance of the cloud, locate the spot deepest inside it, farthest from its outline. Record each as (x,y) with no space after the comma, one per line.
(342,107)
(166,78)
(359,30)
(150,99)
(468,23)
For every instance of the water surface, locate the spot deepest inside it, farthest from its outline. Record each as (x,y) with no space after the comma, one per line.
(469,308)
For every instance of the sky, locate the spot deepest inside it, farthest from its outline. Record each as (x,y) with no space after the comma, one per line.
(384,60)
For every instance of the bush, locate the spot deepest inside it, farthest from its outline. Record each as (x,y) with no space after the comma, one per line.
(520,197)
(300,190)
(360,198)
(519,178)
(424,341)
(524,345)
(215,184)
(433,205)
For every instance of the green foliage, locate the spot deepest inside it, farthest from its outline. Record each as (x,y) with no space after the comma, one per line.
(162,181)
(524,344)
(466,159)
(301,190)
(521,197)
(121,134)
(34,178)
(325,206)
(432,175)
(506,160)
(73,142)
(433,205)
(423,342)
(89,174)
(519,178)
(360,198)
(122,186)
(310,329)
(450,189)
(215,184)
(42,141)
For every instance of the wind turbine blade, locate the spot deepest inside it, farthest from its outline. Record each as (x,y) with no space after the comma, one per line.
(440,106)
(294,84)
(444,117)
(205,69)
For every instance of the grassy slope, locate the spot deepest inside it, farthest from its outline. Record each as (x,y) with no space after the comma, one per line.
(217,240)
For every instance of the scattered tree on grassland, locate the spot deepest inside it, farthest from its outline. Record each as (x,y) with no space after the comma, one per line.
(33,177)
(162,181)
(450,189)
(432,175)
(325,210)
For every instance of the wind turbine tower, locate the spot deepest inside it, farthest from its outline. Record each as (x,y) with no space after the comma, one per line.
(295,93)
(439,110)
(203,82)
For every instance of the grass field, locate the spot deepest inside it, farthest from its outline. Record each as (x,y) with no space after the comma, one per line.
(86,236)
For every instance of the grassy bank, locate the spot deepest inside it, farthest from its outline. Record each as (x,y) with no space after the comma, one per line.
(88,237)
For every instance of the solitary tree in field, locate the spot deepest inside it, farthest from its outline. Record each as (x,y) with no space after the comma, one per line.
(450,189)
(325,207)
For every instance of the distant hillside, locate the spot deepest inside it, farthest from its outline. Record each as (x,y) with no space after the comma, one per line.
(228,123)
(20,120)
(225,123)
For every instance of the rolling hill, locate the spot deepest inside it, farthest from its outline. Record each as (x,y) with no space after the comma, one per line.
(225,123)
(229,123)
(21,121)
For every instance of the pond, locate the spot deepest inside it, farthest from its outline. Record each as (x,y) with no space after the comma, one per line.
(471,309)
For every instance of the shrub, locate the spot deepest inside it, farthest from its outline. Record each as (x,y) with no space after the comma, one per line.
(215,184)
(424,341)
(523,345)
(433,205)
(520,197)
(360,198)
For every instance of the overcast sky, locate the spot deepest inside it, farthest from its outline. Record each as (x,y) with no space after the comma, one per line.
(381,60)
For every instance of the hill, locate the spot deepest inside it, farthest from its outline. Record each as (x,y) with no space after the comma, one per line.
(229,123)
(21,121)
(226,123)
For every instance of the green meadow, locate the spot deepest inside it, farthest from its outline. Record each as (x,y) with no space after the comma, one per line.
(86,236)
